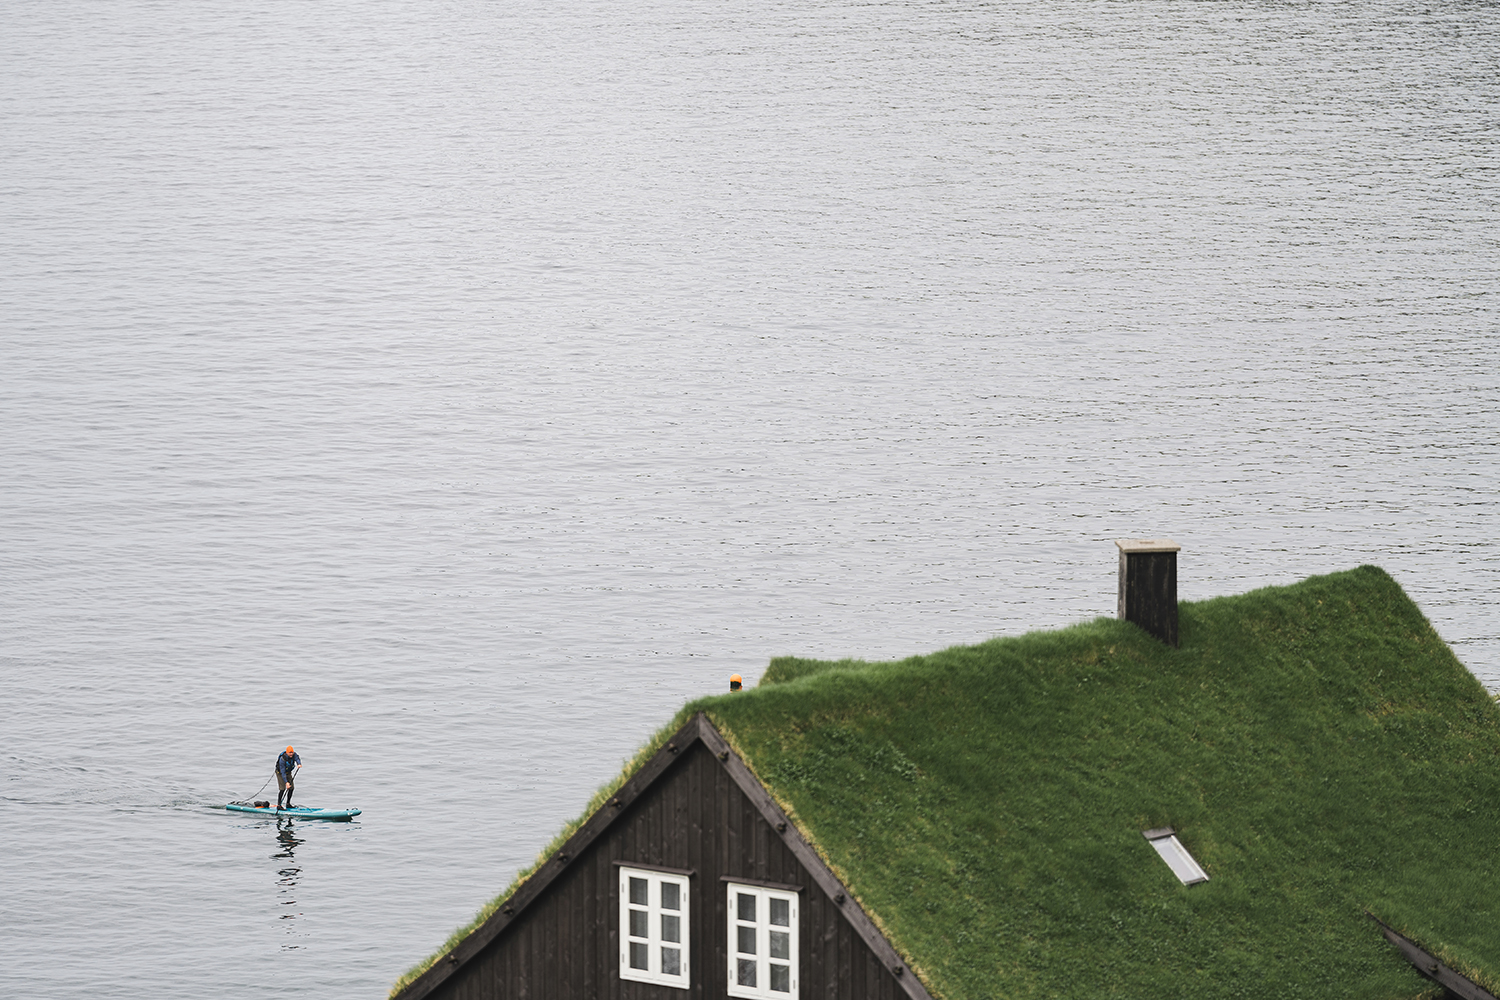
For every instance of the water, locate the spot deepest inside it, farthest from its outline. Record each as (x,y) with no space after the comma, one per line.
(455,389)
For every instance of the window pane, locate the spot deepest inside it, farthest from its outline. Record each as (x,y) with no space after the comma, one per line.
(747,941)
(638,891)
(747,971)
(747,906)
(781,979)
(638,924)
(637,955)
(781,944)
(1179,860)
(671,962)
(671,896)
(671,928)
(781,912)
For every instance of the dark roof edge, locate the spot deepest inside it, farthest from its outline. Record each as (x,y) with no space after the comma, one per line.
(537,882)
(1428,965)
(697,729)
(860,921)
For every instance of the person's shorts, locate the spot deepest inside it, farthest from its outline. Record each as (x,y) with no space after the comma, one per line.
(282,782)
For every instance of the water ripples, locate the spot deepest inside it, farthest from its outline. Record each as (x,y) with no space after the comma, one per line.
(421,384)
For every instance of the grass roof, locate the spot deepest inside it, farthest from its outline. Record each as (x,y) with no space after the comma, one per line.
(1318,748)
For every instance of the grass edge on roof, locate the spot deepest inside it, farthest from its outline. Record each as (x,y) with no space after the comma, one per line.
(597,800)
(795,673)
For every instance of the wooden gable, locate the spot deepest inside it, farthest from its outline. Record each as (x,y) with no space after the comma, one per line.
(694,807)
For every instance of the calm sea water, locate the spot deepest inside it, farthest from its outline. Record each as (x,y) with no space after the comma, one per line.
(454,389)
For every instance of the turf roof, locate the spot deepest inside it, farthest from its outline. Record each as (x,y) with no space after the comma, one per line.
(1319,749)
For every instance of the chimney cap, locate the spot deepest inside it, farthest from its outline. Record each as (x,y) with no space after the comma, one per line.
(1147,545)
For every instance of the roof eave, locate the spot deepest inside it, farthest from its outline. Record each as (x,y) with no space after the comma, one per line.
(698,729)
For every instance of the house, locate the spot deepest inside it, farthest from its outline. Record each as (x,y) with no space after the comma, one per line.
(1011,819)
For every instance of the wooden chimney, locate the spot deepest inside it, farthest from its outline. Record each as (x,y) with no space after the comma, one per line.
(1148,585)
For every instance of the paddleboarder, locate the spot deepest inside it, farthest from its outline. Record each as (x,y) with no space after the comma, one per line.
(286,774)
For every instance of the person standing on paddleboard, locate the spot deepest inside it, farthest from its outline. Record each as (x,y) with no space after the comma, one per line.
(286,775)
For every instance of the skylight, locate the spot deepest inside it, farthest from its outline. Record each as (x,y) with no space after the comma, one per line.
(1175,855)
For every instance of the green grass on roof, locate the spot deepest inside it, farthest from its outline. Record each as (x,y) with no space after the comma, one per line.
(602,795)
(1319,749)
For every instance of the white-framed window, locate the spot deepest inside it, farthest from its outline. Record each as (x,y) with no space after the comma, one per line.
(654,927)
(762,943)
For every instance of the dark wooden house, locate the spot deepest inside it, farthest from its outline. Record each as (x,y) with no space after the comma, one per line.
(688,883)
(1090,812)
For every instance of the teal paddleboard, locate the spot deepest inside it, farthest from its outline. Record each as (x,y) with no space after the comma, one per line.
(295,812)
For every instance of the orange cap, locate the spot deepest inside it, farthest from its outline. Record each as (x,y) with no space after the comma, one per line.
(290,750)
(736,679)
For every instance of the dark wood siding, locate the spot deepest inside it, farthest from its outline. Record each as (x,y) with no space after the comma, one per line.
(565,943)
(1148,592)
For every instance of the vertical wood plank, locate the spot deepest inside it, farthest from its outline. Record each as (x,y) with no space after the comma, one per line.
(732,857)
(843,986)
(694,815)
(609,962)
(523,962)
(693,851)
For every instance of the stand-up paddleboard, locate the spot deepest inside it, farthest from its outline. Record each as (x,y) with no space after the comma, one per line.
(294,812)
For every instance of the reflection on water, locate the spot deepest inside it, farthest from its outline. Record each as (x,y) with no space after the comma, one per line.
(287,875)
